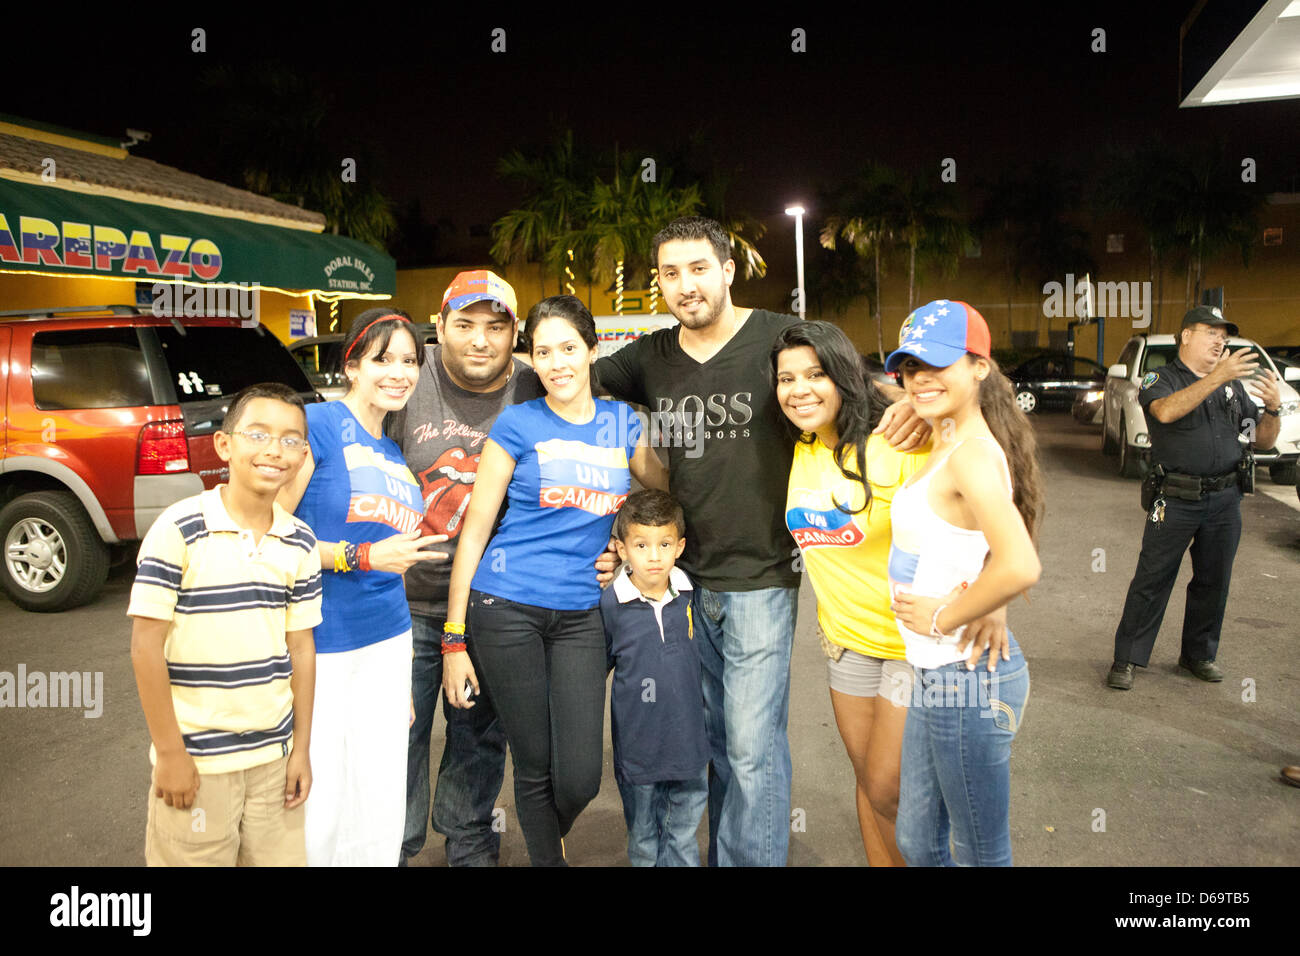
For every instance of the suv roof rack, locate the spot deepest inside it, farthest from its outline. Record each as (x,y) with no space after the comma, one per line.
(67,310)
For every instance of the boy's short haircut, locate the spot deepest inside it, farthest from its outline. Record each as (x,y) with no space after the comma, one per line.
(651,508)
(275,390)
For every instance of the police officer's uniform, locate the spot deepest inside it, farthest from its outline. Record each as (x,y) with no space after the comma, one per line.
(1201,451)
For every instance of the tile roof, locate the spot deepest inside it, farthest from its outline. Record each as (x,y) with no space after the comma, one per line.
(145,177)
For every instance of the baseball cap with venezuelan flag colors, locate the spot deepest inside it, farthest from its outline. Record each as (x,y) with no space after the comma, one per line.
(939,333)
(480,285)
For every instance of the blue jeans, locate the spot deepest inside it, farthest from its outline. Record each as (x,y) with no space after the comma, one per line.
(662,819)
(473,762)
(745,639)
(955,777)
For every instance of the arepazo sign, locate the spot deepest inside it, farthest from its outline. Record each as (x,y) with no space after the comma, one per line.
(615,331)
(349,273)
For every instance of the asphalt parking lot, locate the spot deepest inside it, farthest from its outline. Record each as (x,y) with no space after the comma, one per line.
(1174,772)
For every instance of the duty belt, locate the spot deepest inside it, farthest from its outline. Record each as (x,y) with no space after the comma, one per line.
(1207,485)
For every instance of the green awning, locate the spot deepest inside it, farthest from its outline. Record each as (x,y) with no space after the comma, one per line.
(46,229)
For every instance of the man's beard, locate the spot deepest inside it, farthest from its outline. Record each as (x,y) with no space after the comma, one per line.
(703,319)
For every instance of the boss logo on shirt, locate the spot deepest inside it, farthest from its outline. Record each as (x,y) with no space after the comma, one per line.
(694,417)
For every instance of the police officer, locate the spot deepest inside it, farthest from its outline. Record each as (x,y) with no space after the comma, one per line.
(1196,408)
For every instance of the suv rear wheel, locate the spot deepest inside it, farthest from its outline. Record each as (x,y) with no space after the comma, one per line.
(53,558)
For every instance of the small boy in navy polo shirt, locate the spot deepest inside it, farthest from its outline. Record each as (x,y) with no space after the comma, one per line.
(661,753)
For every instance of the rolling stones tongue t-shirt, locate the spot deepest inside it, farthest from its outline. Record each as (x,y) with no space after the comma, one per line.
(441,432)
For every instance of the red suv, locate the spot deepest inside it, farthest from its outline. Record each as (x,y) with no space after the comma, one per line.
(109,416)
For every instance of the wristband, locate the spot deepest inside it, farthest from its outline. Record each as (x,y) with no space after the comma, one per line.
(363,556)
(341,557)
(453,637)
(1275,412)
(934,622)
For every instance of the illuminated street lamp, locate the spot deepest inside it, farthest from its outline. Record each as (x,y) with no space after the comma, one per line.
(797,212)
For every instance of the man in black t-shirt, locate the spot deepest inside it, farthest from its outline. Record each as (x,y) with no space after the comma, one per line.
(712,402)
(469,377)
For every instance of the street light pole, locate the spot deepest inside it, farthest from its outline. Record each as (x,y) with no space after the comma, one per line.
(797,212)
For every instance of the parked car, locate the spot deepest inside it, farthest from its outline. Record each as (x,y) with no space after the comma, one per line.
(1088,406)
(110,417)
(1289,352)
(1053,380)
(319,358)
(1124,426)
(875,370)
(1288,368)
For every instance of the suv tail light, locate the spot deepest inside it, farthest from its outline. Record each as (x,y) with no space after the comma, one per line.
(162,449)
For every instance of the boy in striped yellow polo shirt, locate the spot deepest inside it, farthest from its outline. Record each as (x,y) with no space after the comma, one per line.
(226,594)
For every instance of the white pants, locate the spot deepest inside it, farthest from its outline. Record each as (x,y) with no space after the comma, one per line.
(356,811)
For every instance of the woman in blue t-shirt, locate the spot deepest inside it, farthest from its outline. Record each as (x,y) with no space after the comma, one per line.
(563,463)
(365,507)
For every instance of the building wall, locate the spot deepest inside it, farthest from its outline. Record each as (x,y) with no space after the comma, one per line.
(1262,298)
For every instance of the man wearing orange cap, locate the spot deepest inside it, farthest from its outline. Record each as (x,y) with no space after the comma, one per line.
(468,378)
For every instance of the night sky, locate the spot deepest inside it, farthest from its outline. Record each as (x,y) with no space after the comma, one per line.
(435,108)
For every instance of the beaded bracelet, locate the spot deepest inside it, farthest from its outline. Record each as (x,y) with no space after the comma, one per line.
(351,552)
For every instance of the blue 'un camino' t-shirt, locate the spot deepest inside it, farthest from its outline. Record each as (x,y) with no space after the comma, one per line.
(569,482)
(360,491)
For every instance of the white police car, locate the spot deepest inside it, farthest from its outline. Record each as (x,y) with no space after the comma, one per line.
(1124,426)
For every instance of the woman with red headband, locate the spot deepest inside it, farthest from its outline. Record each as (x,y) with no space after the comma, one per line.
(365,507)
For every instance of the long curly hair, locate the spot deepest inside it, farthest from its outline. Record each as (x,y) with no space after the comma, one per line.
(1015,434)
(861,403)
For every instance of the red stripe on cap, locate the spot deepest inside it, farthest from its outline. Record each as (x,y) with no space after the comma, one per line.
(978,340)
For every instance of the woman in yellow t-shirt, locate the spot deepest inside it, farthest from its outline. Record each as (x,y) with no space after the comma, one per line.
(838,512)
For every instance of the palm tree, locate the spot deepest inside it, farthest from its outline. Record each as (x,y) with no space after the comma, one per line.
(1146,183)
(1218,212)
(867,218)
(273,122)
(928,225)
(836,278)
(739,225)
(554,201)
(1032,209)
(621,216)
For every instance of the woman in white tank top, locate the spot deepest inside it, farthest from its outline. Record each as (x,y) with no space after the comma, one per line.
(962,546)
